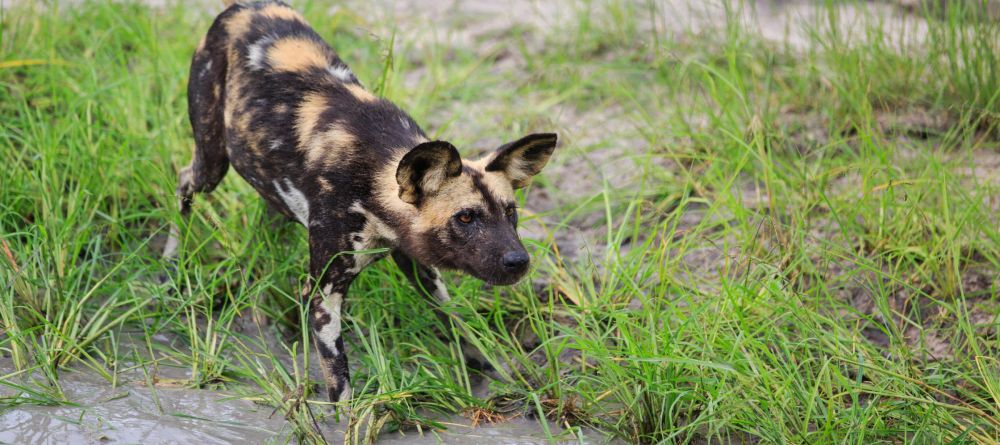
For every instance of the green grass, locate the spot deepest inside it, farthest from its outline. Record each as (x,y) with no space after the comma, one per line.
(806,250)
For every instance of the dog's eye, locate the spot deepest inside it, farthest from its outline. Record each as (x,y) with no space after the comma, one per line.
(465,217)
(509,211)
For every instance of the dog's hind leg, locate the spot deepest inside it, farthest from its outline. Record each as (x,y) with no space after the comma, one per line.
(206,100)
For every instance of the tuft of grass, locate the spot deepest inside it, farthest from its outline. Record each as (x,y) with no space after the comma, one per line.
(740,240)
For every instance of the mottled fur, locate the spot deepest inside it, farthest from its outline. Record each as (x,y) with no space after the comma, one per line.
(269,96)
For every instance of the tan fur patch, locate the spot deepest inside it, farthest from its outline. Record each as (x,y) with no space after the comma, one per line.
(277,11)
(308,114)
(502,183)
(387,189)
(243,119)
(330,146)
(360,93)
(454,195)
(201,45)
(296,54)
(258,140)
(481,163)
(325,185)
(233,85)
(499,186)
(518,171)
(238,23)
(496,182)
(280,109)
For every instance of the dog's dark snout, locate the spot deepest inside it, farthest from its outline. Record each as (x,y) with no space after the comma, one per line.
(515,260)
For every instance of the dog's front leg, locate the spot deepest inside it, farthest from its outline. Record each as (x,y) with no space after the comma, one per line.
(332,273)
(426,279)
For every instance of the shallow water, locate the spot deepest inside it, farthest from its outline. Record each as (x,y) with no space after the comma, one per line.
(132,413)
(135,413)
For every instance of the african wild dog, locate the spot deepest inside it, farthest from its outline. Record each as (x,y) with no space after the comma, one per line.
(268,95)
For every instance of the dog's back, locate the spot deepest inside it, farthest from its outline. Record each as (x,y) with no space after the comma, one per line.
(267,94)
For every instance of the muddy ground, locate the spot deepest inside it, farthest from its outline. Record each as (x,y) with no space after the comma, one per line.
(135,412)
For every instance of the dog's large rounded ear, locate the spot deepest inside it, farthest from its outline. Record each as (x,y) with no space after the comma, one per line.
(523,158)
(425,168)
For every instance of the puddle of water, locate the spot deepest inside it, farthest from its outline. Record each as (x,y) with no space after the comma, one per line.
(132,413)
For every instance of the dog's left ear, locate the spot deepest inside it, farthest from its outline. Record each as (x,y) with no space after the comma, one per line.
(423,170)
(523,158)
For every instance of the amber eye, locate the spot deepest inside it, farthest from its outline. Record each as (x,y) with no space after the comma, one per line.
(465,217)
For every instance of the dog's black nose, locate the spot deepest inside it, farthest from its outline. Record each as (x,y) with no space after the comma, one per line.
(515,260)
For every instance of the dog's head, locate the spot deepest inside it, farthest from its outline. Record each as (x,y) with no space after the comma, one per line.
(466,215)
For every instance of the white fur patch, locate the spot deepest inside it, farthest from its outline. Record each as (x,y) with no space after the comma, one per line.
(375,228)
(170,248)
(207,69)
(440,291)
(361,261)
(275,144)
(257,52)
(294,200)
(331,303)
(405,122)
(376,233)
(345,394)
(342,73)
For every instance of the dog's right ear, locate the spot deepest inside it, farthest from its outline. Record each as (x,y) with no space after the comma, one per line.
(523,158)
(425,168)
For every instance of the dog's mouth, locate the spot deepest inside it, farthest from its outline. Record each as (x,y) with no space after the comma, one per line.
(503,279)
